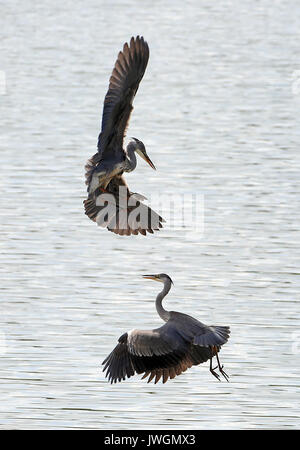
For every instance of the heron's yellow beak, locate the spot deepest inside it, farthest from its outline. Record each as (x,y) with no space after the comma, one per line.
(152,277)
(144,155)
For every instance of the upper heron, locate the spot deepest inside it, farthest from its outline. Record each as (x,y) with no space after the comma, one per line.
(169,350)
(104,170)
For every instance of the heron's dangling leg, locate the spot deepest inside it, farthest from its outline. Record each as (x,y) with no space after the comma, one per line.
(221,369)
(212,371)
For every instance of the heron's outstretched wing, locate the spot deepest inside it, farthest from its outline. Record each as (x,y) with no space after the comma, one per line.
(164,352)
(123,85)
(136,218)
(142,351)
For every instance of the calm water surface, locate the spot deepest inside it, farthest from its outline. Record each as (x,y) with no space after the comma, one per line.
(218,111)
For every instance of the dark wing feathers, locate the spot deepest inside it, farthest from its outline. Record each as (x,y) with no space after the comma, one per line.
(195,355)
(123,85)
(118,364)
(166,351)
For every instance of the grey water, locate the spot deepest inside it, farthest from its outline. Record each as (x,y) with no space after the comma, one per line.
(218,111)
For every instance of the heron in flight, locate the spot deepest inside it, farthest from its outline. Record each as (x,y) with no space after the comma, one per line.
(166,352)
(104,170)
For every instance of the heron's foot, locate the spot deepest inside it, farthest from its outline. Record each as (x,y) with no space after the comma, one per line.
(215,374)
(224,373)
(221,369)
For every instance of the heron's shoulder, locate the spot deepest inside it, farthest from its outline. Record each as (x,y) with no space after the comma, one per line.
(133,334)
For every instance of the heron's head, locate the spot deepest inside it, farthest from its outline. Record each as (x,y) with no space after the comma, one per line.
(162,277)
(141,151)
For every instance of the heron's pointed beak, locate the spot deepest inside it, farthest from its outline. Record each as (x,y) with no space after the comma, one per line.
(144,155)
(151,277)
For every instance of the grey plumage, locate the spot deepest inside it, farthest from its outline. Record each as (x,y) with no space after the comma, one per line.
(166,352)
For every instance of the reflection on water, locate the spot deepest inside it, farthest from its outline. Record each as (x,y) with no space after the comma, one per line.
(218,112)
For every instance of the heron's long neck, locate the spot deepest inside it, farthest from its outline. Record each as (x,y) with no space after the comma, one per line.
(130,157)
(165,315)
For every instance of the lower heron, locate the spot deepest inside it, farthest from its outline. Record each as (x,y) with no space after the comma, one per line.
(165,352)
